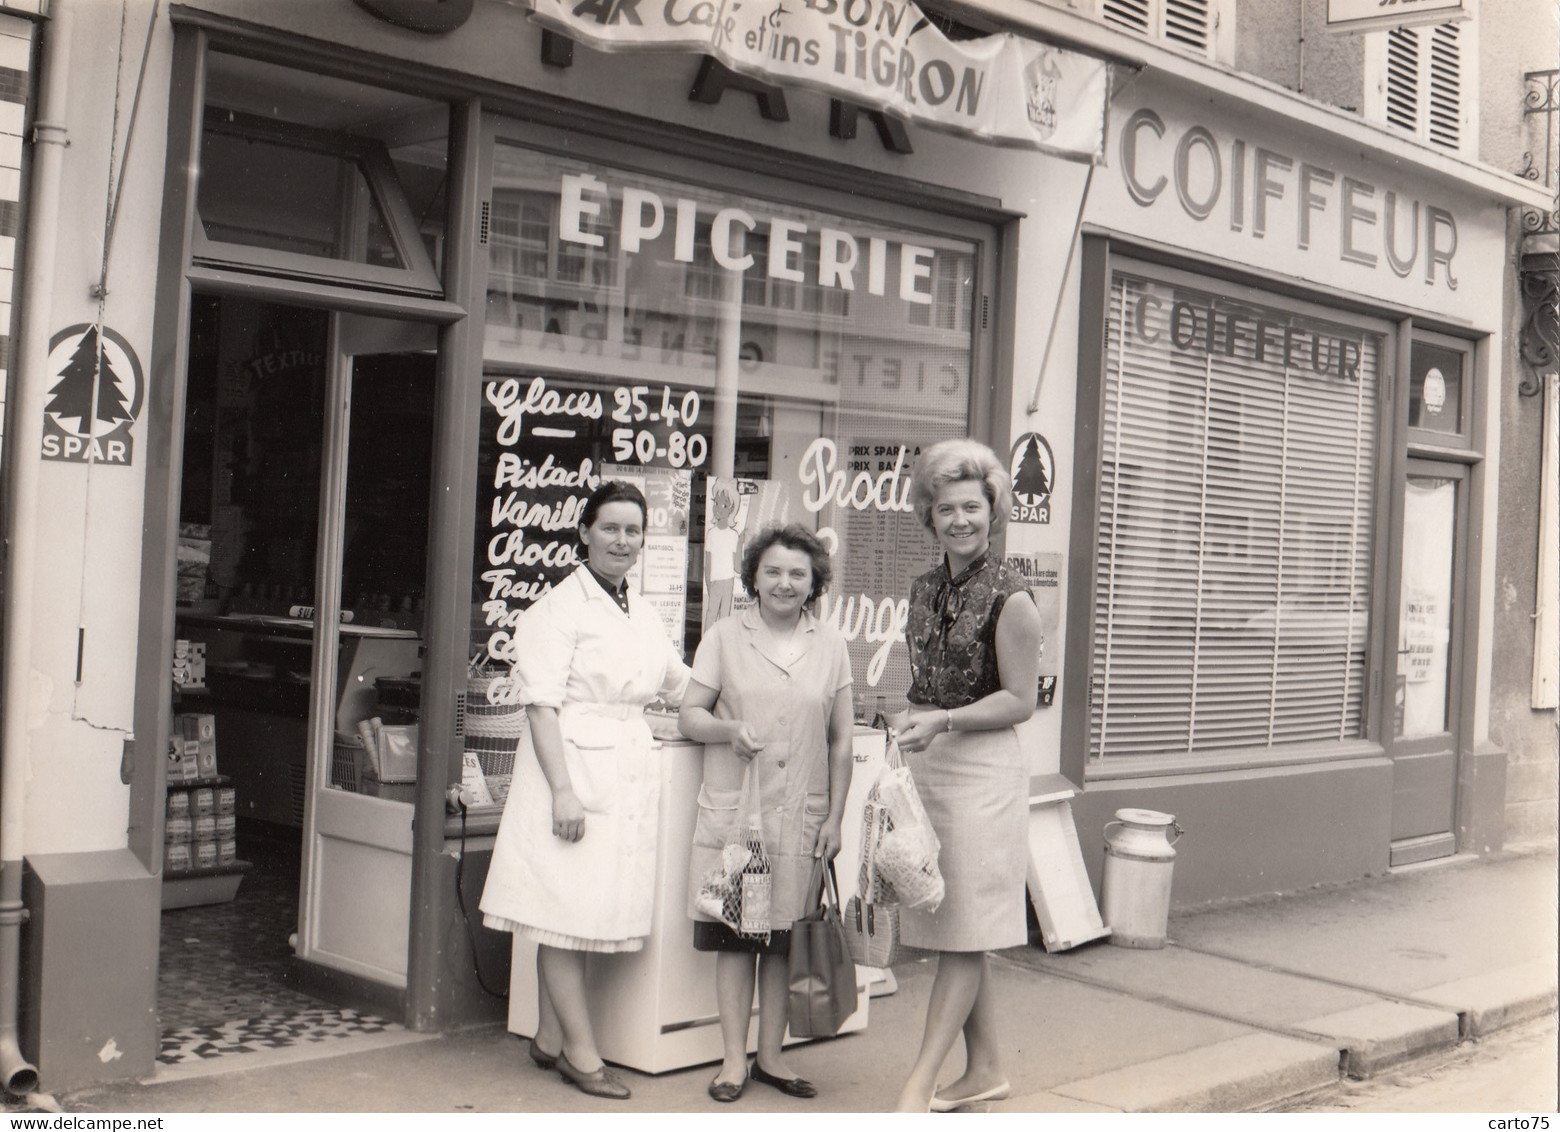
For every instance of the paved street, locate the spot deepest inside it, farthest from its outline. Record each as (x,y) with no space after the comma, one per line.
(1512,1071)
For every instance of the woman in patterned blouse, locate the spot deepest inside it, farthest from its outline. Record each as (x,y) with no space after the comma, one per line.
(974,637)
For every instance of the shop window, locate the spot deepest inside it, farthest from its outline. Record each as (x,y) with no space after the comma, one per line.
(318,178)
(1421,80)
(1233,552)
(745,359)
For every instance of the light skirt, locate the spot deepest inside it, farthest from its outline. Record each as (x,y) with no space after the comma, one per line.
(559,940)
(975,787)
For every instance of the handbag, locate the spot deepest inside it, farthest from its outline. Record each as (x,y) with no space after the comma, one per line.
(871,921)
(747,901)
(821,975)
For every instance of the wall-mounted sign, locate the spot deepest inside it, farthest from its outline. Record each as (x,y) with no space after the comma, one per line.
(1219,180)
(1033,472)
(879,53)
(96,390)
(1369,15)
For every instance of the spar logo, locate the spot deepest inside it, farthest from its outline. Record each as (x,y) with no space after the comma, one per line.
(95,396)
(1034,475)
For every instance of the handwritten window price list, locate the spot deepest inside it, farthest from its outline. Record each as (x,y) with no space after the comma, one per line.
(545,442)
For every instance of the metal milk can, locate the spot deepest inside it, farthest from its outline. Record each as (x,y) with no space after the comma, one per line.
(1139,857)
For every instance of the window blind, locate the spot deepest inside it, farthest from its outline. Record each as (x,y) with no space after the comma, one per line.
(1233,553)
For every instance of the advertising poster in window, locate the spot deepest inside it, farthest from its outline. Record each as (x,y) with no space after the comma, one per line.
(1043,572)
(734,510)
(661,574)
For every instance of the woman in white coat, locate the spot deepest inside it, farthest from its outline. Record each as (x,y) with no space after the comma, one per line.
(574,864)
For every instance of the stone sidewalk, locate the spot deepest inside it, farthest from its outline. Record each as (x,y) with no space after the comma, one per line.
(1249,1005)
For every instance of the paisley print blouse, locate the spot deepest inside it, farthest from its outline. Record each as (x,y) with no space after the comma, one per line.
(952,631)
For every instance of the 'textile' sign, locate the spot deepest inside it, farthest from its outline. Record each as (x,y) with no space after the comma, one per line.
(1259,192)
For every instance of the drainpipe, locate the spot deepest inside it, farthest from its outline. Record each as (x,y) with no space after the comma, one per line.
(25,413)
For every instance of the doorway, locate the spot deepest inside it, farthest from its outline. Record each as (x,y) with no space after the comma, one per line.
(1426,706)
(303,543)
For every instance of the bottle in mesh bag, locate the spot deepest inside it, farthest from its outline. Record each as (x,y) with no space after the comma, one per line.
(754,888)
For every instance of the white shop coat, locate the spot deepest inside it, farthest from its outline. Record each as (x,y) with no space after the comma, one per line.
(577,651)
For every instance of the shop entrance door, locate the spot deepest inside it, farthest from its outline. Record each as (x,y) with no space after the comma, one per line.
(1426,704)
(355,905)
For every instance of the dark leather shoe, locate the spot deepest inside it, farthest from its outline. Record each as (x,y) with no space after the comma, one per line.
(598,1084)
(790,1086)
(543,1060)
(725,1092)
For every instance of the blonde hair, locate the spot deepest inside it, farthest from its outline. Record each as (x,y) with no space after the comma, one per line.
(950,461)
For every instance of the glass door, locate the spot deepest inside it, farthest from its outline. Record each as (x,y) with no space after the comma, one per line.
(354,914)
(1425,700)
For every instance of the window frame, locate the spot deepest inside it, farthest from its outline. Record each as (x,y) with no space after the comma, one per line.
(1101,257)
(419,276)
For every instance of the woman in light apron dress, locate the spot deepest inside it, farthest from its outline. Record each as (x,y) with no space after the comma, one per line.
(974,639)
(770,697)
(573,866)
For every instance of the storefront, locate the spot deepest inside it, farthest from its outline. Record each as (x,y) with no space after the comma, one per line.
(411,292)
(1281,483)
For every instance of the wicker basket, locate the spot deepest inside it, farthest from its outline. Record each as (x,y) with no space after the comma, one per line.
(492,730)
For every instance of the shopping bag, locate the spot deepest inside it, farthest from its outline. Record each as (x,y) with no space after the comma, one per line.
(821,976)
(755,885)
(905,856)
(871,921)
(737,890)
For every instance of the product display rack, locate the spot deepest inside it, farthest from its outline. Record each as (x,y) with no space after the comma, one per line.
(214,884)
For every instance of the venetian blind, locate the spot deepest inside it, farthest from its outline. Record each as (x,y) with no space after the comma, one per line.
(1233,553)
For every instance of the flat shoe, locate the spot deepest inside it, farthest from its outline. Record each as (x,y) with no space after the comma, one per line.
(597,1084)
(790,1086)
(948,1104)
(542,1060)
(725,1092)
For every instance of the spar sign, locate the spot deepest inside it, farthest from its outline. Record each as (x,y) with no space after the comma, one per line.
(880,53)
(96,390)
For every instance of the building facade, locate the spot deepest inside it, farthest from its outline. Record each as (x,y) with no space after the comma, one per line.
(345,306)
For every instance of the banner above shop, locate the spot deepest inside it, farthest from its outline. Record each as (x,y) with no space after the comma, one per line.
(880,53)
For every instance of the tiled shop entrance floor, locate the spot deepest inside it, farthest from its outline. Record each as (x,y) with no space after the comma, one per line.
(222,979)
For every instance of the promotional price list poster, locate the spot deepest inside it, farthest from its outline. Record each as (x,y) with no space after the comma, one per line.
(661,574)
(882,551)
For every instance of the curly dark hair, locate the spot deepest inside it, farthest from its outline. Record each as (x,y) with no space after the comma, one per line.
(793,536)
(612,491)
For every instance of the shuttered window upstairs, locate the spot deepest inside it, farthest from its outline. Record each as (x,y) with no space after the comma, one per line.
(1422,82)
(1231,605)
(1188,25)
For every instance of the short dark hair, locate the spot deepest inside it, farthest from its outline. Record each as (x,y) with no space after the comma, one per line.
(612,491)
(793,536)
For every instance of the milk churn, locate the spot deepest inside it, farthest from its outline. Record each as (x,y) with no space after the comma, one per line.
(1139,857)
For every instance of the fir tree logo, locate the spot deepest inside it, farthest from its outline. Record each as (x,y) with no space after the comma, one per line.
(1034,477)
(95,397)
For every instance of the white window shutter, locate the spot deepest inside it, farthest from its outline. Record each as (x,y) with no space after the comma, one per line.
(1444,82)
(1186,25)
(1424,82)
